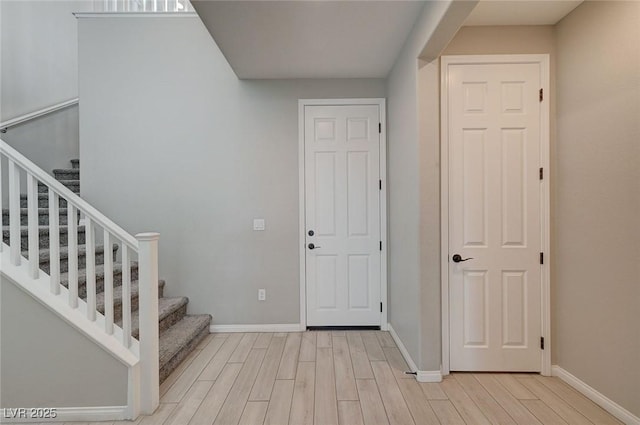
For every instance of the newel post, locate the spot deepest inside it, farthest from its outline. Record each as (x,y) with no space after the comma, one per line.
(148,313)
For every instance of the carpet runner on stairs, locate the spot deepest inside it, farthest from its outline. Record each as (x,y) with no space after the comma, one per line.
(180,333)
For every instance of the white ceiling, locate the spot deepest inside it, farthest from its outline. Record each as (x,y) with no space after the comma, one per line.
(309,39)
(520,12)
(268,39)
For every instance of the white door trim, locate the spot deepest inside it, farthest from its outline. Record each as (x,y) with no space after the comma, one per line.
(381,103)
(545,230)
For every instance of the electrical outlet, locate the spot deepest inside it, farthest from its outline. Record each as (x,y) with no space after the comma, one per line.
(262,294)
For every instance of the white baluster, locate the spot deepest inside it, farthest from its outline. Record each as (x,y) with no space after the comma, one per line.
(15,237)
(72,253)
(32,226)
(108,283)
(155,5)
(126,296)
(54,242)
(148,320)
(90,266)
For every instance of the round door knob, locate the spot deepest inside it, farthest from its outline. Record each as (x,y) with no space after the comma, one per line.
(457,258)
(311,233)
(311,246)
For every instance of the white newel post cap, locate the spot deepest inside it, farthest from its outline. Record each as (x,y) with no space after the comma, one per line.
(148,236)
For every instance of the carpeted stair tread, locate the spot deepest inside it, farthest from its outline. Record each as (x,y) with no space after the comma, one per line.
(117,270)
(43,235)
(181,339)
(43,201)
(99,257)
(43,230)
(42,212)
(66,173)
(169,312)
(117,297)
(73,185)
(45,253)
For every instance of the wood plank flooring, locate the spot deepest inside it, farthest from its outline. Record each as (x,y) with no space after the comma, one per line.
(349,378)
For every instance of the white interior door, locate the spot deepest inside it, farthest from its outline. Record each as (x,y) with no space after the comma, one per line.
(494,136)
(342,215)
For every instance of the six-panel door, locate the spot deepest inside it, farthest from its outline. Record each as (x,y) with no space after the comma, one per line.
(494,214)
(342,200)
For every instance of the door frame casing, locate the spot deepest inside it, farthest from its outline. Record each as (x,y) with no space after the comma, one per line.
(545,194)
(381,103)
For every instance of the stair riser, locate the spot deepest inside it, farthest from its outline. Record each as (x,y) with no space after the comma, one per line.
(43,219)
(166,369)
(44,238)
(168,321)
(73,174)
(43,202)
(74,186)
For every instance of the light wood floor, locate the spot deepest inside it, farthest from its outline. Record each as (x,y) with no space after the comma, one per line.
(349,378)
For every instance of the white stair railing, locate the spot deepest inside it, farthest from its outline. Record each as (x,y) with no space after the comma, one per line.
(129,6)
(143,248)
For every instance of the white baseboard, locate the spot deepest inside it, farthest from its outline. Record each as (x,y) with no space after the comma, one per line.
(594,395)
(429,376)
(66,414)
(421,375)
(293,327)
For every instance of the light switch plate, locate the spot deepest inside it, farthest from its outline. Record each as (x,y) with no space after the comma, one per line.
(258,224)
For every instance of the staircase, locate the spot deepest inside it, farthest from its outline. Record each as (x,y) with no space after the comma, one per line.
(179,332)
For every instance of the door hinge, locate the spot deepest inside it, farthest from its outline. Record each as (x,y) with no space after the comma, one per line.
(541,95)
(380,127)
(380,184)
(542,343)
(542,258)
(381,307)
(380,245)
(541,173)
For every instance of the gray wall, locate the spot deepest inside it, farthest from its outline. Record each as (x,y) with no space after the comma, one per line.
(597,249)
(39,54)
(404,186)
(413,216)
(49,141)
(429,162)
(173,142)
(39,68)
(46,363)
